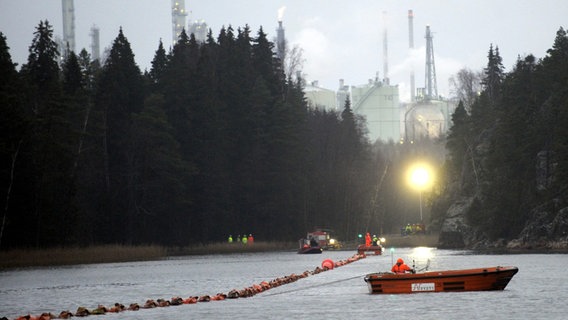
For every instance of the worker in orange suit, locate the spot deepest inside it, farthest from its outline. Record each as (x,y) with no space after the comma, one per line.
(250,239)
(401,267)
(368,239)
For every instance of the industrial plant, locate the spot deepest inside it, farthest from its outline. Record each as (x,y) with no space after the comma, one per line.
(427,115)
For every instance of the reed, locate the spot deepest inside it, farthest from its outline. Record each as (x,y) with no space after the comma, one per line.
(235,247)
(18,258)
(79,255)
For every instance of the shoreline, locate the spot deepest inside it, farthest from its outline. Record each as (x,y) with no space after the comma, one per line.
(24,258)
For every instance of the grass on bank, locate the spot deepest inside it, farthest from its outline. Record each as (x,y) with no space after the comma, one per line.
(17,258)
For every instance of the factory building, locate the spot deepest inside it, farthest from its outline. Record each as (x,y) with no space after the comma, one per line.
(379,104)
(320,98)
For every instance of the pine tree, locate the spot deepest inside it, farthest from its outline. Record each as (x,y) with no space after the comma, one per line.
(50,142)
(13,125)
(160,179)
(493,74)
(458,141)
(119,96)
(553,76)
(159,65)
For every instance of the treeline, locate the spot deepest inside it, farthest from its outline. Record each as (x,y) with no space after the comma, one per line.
(214,140)
(509,148)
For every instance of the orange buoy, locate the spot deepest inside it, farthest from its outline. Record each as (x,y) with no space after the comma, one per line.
(327,264)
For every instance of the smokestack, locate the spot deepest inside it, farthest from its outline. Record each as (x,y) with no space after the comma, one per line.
(411,47)
(280,36)
(95,43)
(385,49)
(68,26)
(280,41)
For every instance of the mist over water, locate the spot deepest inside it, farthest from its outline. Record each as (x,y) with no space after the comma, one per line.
(537,291)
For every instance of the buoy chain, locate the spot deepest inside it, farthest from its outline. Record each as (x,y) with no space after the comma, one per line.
(327,264)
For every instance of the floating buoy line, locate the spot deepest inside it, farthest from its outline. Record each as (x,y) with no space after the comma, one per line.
(247,292)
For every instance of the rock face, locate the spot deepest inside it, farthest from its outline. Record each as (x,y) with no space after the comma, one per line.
(547,230)
(546,227)
(454,226)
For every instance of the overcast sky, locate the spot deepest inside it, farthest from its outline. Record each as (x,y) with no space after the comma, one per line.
(340,39)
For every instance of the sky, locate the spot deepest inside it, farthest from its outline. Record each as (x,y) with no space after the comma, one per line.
(339,39)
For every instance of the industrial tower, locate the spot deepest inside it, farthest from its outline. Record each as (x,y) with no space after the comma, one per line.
(95,43)
(68,10)
(385,50)
(411,48)
(280,36)
(431,86)
(178,19)
(280,42)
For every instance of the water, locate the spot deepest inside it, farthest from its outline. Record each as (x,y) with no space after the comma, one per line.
(537,291)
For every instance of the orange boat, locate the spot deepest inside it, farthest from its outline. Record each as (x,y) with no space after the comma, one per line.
(481,279)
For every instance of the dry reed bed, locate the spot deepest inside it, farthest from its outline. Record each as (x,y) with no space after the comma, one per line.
(17,258)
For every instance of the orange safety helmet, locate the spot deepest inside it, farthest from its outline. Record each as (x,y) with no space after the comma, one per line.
(400,261)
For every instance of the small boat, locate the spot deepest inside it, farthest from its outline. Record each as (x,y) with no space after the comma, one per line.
(309,246)
(480,279)
(376,249)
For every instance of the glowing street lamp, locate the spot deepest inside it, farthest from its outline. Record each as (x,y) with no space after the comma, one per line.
(420,178)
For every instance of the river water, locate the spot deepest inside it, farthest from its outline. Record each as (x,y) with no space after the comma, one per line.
(538,291)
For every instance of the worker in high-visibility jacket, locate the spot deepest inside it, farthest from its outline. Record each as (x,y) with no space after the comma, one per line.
(401,267)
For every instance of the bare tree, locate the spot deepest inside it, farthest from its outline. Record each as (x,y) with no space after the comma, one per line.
(466,86)
(293,61)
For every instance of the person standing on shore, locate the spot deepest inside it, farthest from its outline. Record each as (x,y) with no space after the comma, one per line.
(230,239)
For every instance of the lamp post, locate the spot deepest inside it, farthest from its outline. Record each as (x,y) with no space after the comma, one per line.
(420,178)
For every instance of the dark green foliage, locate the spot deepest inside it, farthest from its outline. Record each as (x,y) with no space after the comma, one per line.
(516,122)
(214,140)
(458,140)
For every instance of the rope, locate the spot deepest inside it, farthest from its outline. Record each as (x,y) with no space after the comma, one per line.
(314,286)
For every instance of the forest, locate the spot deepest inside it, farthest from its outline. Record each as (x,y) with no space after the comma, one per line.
(508,148)
(216,139)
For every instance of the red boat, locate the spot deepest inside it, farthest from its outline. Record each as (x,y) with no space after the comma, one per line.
(481,279)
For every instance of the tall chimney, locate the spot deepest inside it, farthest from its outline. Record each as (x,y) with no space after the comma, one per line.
(68,26)
(385,49)
(280,42)
(411,48)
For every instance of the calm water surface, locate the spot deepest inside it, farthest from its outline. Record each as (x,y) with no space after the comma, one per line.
(538,291)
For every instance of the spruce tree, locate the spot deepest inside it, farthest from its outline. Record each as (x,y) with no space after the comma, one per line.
(13,126)
(119,96)
(50,141)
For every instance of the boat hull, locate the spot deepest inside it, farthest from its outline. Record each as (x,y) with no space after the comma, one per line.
(310,250)
(363,249)
(480,279)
